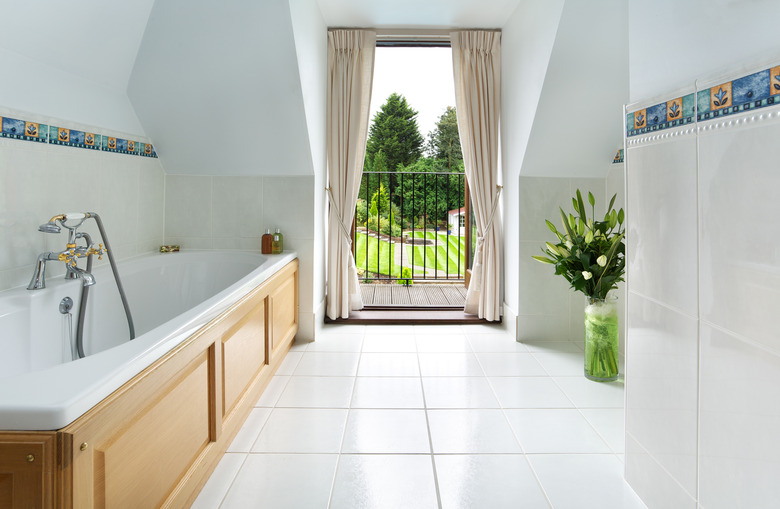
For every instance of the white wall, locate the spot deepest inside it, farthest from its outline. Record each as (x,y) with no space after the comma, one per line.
(216,87)
(526,43)
(718,36)
(549,310)
(703,353)
(204,212)
(311,45)
(585,87)
(39,180)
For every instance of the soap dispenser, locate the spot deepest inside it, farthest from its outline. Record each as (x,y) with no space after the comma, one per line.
(277,244)
(267,241)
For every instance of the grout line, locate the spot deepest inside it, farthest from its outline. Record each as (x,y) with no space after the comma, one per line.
(233,481)
(428,426)
(346,422)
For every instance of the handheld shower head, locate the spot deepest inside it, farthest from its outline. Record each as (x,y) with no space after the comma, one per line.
(49,227)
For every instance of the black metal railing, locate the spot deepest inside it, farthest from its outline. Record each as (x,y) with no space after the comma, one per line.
(411,226)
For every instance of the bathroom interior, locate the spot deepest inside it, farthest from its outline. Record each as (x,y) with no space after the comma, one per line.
(220,108)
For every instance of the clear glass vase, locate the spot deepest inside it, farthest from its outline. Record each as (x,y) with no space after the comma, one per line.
(601,339)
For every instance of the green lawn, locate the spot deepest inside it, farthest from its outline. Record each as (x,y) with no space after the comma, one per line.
(377,264)
(437,257)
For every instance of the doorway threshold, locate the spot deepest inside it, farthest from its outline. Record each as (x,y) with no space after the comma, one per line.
(398,315)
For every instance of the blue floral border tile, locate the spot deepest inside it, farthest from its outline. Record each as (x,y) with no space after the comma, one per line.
(618,157)
(757,90)
(33,131)
(24,130)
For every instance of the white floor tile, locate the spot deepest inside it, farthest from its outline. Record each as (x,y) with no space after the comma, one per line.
(510,364)
(562,363)
(218,484)
(610,425)
(291,360)
(584,481)
(471,431)
(529,392)
(449,364)
(317,392)
(398,330)
(340,328)
(458,392)
(248,433)
(386,431)
(496,343)
(438,329)
(589,394)
(553,346)
(328,364)
(388,364)
(283,481)
(387,392)
(302,430)
(495,481)
(555,431)
(299,346)
(374,342)
(485,328)
(442,343)
(337,343)
(273,390)
(384,482)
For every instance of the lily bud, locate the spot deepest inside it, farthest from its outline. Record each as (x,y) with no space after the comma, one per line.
(601,260)
(586,275)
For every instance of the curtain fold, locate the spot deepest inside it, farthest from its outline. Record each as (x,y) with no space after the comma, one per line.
(350,71)
(476,57)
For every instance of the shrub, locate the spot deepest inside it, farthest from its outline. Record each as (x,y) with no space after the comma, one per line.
(406,273)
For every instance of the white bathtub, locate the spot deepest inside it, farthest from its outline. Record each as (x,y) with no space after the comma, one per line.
(171,296)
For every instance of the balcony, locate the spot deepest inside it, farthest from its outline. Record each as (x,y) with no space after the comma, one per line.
(411,243)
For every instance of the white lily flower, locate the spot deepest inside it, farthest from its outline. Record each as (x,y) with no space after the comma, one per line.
(569,244)
(601,260)
(586,275)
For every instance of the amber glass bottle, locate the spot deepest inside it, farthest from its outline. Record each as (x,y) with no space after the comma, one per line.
(267,240)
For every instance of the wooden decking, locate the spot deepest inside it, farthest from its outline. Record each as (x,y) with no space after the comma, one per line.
(416,295)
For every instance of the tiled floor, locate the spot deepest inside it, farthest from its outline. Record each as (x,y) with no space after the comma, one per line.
(426,417)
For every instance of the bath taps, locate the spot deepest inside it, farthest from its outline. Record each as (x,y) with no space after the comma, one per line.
(69,255)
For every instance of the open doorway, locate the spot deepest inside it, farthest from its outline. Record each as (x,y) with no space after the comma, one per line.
(413,230)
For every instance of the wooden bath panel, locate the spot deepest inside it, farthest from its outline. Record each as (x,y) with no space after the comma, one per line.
(155,441)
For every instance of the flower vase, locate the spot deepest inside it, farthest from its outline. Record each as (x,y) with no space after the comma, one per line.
(601,339)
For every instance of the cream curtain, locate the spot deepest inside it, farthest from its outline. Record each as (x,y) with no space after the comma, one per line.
(350,71)
(476,57)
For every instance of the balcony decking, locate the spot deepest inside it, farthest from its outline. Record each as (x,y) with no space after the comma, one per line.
(416,295)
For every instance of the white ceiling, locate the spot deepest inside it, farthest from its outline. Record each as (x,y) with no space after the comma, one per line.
(95,39)
(417,13)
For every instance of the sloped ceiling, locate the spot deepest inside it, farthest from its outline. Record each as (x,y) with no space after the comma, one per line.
(578,122)
(216,87)
(417,13)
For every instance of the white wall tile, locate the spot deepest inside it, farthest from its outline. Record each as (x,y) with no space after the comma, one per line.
(662,228)
(288,203)
(740,263)
(188,206)
(651,482)
(740,419)
(237,205)
(661,392)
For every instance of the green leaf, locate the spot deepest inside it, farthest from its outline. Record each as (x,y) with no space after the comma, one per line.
(589,237)
(581,206)
(611,202)
(621,216)
(543,259)
(574,204)
(566,225)
(591,199)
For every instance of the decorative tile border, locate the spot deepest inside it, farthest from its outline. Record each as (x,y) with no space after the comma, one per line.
(757,90)
(41,133)
(618,157)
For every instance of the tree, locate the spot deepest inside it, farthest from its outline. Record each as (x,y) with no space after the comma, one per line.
(394,131)
(444,141)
